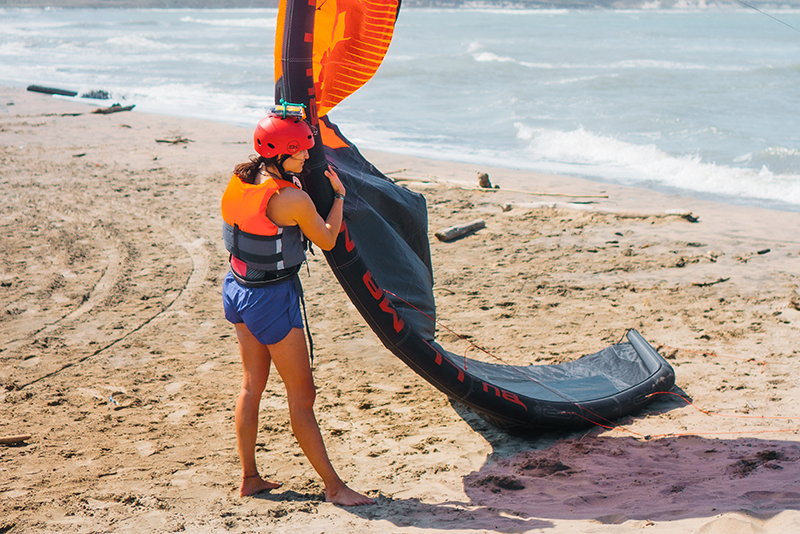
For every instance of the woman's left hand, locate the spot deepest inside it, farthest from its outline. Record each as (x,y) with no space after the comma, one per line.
(336,183)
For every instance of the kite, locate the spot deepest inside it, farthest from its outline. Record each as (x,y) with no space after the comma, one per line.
(323,53)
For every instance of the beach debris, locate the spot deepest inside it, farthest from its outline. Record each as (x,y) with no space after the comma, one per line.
(506,207)
(435,179)
(454,232)
(97,94)
(707,284)
(14,440)
(79,155)
(687,216)
(121,400)
(114,108)
(496,189)
(51,90)
(176,141)
(794,303)
(745,258)
(483,181)
(440,288)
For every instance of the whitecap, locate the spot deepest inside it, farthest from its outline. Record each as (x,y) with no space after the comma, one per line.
(646,165)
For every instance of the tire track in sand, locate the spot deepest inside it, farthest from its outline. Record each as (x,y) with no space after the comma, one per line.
(200,265)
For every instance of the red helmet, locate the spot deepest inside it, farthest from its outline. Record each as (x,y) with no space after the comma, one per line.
(276,135)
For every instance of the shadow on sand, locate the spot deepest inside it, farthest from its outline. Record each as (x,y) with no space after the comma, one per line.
(530,480)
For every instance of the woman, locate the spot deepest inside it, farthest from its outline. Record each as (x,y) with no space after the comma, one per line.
(267,218)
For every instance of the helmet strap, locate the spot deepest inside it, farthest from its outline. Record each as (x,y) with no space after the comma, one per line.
(279,164)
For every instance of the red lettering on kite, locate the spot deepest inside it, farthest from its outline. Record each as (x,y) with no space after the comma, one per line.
(512,397)
(348,243)
(439,359)
(375,291)
(507,395)
(487,386)
(397,322)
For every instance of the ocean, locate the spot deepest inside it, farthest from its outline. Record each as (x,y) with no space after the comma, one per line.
(701,101)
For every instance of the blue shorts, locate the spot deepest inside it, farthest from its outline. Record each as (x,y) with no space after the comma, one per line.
(269,312)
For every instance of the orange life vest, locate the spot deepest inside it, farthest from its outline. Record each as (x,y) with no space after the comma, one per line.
(250,236)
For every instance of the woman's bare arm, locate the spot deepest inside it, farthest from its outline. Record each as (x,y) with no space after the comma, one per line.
(293,207)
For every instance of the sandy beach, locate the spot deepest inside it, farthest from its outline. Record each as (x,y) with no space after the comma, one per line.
(116,360)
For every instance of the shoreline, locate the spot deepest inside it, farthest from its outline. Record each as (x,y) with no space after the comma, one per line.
(116,360)
(514,178)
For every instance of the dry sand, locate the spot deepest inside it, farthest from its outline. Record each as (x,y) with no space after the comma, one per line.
(115,357)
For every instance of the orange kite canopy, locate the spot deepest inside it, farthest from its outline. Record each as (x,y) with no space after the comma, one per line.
(350,39)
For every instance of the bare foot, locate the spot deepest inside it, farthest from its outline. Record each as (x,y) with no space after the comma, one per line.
(344,496)
(255,484)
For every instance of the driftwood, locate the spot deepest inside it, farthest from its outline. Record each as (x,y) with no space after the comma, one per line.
(454,232)
(178,140)
(492,189)
(496,189)
(51,90)
(13,440)
(115,108)
(686,216)
(707,284)
(619,214)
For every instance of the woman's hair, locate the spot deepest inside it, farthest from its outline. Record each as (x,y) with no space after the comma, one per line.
(248,171)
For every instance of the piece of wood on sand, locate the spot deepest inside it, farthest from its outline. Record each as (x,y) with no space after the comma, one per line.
(13,440)
(115,108)
(177,141)
(454,232)
(51,90)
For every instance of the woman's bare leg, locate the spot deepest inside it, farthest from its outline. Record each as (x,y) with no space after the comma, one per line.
(256,363)
(290,357)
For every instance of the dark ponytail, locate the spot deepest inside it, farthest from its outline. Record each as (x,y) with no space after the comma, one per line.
(248,171)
